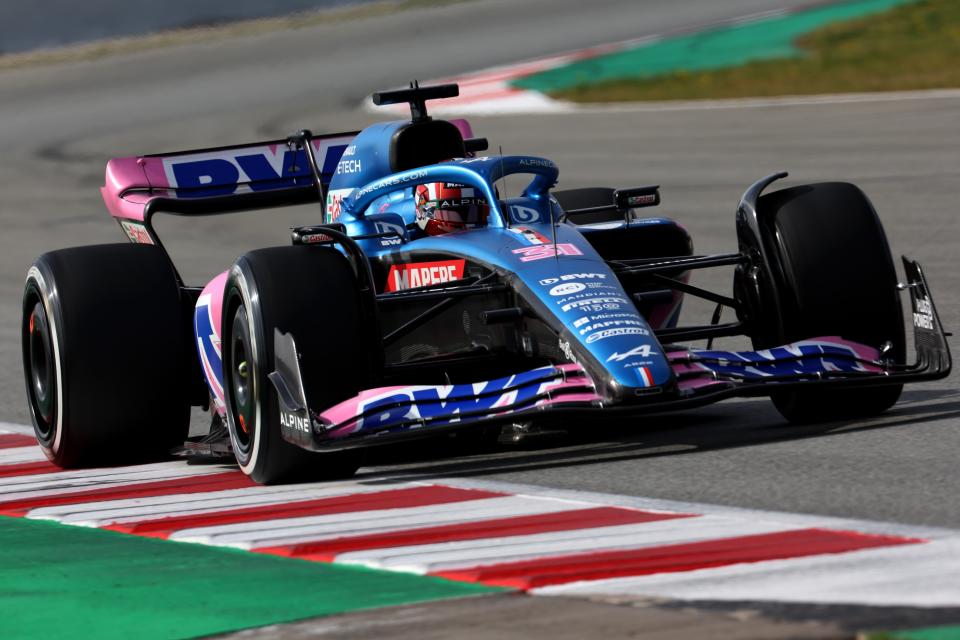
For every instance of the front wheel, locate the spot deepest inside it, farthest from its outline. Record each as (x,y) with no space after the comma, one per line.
(311,293)
(835,277)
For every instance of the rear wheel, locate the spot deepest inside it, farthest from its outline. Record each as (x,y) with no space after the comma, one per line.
(104,355)
(835,277)
(311,293)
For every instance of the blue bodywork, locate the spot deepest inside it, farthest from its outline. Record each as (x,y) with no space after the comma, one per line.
(553,266)
(606,352)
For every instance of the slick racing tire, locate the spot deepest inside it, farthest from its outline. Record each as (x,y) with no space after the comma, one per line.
(835,277)
(310,293)
(104,355)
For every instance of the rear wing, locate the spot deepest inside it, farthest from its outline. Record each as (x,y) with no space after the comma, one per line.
(221,180)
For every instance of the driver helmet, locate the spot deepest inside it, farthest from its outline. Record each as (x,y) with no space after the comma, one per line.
(444,207)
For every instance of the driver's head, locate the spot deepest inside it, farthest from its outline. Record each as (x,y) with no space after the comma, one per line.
(443,207)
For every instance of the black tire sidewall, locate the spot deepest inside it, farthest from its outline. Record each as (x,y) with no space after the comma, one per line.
(834,276)
(309,292)
(120,347)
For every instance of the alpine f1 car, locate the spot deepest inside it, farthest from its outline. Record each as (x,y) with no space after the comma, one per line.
(427,303)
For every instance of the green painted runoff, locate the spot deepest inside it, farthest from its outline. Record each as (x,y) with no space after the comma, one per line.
(62,581)
(716,48)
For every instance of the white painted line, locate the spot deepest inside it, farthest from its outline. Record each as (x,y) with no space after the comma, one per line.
(20,455)
(923,575)
(269,533)
(61,482)
(452,555)
(10,427)
(788,520)
(99,514)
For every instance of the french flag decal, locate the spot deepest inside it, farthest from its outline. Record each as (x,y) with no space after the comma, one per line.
(643,374)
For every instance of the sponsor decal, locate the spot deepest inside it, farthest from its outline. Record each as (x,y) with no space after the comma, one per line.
(579,322)
(295,422)
(530,236)
(423,274)
(450,402)
(335,202)
(315,238)
(567,288)
(136,232)
(591,302)
(606,324)
(389,227)
(524,215)
(580,296)
(923,314)
(543,251)
(455,203)
(610,316)
(611,333)
(567,351)
(573,276)
(208,346)
(786,360)
(640,351)
(537,162)
(642,200)
(258,168)
(392,181)
(349,166)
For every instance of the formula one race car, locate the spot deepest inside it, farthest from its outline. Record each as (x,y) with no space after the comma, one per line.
(425,303)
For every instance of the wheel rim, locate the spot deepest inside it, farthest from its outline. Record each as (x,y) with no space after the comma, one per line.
(41,369)
(241,378)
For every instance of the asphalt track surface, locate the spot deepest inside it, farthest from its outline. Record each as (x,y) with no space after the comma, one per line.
(59,125)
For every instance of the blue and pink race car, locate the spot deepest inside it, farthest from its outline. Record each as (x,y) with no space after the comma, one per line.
(427,302)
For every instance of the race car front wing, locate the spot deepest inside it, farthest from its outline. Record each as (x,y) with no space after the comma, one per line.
(385,414)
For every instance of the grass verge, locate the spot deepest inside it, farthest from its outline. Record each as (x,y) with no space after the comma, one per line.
(914,46)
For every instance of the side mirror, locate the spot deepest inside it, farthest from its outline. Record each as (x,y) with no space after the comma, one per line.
(472,145)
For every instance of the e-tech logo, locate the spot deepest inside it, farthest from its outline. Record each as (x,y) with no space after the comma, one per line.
(259,168)
(422,274)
